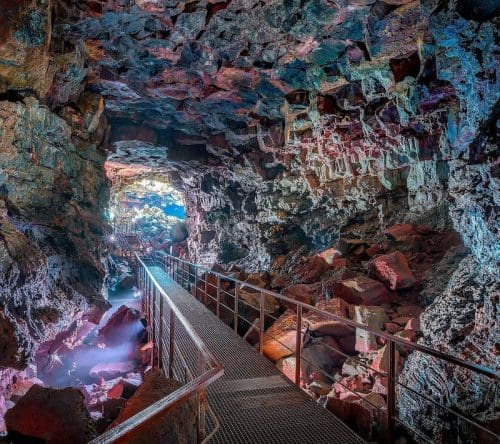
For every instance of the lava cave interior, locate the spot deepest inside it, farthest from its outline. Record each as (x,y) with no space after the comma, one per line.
(320,176)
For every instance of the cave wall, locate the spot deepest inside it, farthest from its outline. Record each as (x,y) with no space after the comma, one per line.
(53,190)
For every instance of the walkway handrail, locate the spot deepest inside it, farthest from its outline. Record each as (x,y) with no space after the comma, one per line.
(174,264)
(422,348)
(152,290)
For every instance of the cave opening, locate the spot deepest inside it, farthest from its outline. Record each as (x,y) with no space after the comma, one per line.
(150,206)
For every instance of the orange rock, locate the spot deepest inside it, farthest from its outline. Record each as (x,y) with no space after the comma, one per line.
(280,338)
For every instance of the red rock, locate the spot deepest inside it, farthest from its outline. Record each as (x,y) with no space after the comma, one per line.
(413,324)
(355,412)
(392,328)
(124,388)
(306,293)
(348,344)
(350,384)
(123,325)
(322,325)
(402,232)
(393,270)
(339,263)
(361,290)
(178,424)
(373,250)
(55,416)
(311,269)
(252,297)
(411,311)
(400,320)
(408,335)
(280,338)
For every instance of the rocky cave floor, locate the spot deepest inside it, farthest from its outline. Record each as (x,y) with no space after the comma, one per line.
(384,282)
(86,374)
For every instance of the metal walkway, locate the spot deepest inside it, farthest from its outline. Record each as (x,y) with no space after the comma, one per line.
(254,403)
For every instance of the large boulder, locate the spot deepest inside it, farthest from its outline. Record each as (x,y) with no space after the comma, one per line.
(280,339)
(393,270)
(55,416)
(310,269)
(361,289)
(320,324)
(177,425)
(306,293)
(124,325)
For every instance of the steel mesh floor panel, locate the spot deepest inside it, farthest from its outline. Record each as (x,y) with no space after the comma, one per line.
(254,403)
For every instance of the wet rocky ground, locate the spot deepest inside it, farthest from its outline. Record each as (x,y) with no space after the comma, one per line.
(85,375)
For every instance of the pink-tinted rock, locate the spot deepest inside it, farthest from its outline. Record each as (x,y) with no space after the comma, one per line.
(393,270)
(380,385)
(408,335)
(356,383)
(287,367)
(361,290)
(413,324)
(392,328)
(123,325)
(56,416)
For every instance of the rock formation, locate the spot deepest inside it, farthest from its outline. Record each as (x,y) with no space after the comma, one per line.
(291,127)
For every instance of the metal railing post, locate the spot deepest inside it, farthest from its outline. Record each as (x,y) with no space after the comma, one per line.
(262,319)
(148,309)
(298,345)
(391,392)
(153,326)
(206,289)
(160,334)
(202,400)
(217,309)
(236,304)
(171,329)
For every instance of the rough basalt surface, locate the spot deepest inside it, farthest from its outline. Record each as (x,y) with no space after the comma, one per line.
(52,187)
(290,126)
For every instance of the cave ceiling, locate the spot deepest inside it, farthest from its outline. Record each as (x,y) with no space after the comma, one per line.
(253,81)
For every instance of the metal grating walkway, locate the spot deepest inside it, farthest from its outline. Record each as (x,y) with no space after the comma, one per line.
(255,404)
